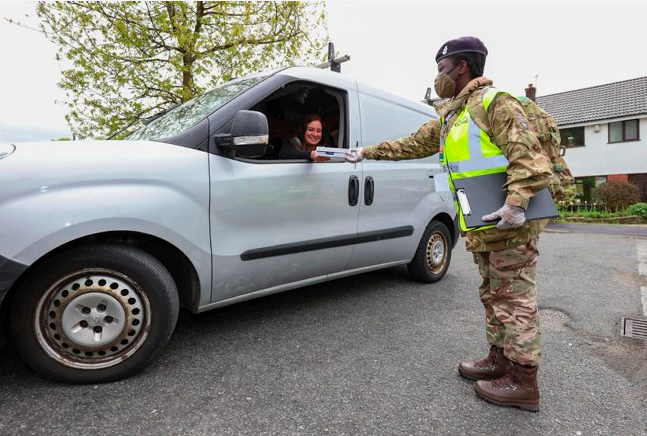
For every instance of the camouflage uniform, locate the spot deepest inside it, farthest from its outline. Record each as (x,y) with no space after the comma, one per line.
(509,295)
(507,258)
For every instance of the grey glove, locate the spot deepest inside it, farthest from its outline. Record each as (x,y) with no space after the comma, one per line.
(355,155)
(510,217)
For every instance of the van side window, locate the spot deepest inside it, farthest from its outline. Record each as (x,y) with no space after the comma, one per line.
(286,109)
(384,120)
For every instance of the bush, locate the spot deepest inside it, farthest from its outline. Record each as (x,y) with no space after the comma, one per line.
(639,209)
(569,198)
(617,195)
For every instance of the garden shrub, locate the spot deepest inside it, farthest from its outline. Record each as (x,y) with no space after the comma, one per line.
(639,209)
(617,195)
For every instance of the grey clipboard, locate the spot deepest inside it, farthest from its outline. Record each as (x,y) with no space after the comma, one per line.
(481,195)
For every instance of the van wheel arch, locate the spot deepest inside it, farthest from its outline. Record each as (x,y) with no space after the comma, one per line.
(174,260)
(450,224)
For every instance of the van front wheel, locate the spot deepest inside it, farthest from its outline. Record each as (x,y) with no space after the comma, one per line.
(433,255)
(94,313)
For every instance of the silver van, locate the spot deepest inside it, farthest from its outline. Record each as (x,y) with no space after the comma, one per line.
(101,242)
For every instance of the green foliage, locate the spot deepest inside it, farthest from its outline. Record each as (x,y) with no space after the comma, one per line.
(617,195)
(592,214)
(568,198)
(639,209)
(126,61)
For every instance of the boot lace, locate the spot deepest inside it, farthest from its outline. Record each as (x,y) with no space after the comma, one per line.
(488,362)
(508,382)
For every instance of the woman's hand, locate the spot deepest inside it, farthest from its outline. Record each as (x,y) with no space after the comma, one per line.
(315,158)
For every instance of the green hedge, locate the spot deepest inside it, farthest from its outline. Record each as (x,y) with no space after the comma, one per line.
(592,214)
(636,209)
(639,209)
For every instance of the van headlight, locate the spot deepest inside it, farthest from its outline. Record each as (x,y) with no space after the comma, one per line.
(6,150)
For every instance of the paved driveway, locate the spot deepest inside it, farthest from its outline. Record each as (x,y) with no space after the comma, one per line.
(371,355)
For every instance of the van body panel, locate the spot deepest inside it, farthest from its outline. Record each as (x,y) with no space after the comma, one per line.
(263,206)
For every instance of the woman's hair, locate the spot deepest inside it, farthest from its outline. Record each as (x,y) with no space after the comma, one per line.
(310,118)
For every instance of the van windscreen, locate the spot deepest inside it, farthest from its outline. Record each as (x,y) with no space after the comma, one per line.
(188,114)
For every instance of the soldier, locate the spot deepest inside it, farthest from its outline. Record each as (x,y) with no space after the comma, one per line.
(506,254)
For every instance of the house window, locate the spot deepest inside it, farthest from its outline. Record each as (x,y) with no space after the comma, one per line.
(572,137)
(623,131)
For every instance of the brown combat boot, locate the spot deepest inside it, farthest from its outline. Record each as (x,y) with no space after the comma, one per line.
(495,365)
(518,388)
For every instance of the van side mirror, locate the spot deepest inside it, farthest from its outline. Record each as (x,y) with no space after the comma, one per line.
(249,135)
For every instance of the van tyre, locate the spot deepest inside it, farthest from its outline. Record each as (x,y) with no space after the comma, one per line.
(94,314)
(433,255)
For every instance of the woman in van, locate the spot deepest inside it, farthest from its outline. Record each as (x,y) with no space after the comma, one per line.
(312,133)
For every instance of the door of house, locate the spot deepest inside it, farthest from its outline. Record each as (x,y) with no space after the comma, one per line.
(641,181)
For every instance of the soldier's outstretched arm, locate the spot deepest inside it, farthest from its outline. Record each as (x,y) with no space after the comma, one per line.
(423,143)
(528,169)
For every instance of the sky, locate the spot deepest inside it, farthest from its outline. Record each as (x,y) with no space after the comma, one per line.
(557,46)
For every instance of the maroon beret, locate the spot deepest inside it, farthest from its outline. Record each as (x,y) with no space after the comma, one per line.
(464,44)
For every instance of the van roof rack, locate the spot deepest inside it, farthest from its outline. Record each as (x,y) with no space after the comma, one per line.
(333,62)
(337,60)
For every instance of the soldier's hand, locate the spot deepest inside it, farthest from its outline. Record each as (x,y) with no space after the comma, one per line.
(355,155)
(510,217)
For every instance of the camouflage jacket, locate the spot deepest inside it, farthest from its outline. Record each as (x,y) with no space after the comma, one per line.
(528,169)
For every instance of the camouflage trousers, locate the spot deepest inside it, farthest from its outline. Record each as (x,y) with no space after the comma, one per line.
(509,295)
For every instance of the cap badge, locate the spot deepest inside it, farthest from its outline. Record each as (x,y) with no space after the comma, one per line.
(445,50)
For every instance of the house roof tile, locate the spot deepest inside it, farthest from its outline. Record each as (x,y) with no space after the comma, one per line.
(601,102)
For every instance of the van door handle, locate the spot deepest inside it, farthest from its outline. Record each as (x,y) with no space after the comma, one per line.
(369,190)
(353,190)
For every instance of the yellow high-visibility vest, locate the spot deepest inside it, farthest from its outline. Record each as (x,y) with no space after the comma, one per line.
(467,150)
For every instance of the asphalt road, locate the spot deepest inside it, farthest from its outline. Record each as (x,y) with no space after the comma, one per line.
(375,354)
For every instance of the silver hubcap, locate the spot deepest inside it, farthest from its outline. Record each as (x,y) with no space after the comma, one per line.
(92,319)
(436,252)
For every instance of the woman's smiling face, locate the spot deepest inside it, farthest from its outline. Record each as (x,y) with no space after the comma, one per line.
(313,132)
